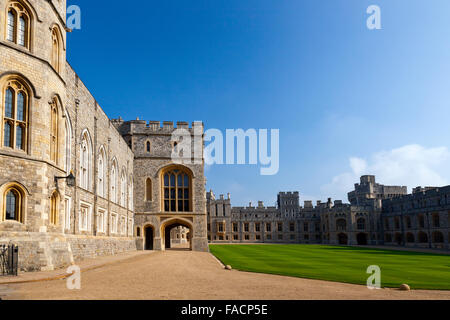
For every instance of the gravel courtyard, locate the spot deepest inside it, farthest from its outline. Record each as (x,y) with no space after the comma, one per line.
(186,275)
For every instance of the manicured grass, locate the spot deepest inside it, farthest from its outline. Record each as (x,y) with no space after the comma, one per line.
(342,264)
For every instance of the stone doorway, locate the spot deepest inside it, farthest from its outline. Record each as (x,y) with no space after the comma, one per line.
(149,235)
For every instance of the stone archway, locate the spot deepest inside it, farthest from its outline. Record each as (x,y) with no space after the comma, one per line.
(361,239)
(166,228)
(149,234)
(342,238)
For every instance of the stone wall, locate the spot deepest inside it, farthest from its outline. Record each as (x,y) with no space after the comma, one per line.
(44,251)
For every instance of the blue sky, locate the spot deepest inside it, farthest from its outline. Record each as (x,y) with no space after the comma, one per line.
(347,100)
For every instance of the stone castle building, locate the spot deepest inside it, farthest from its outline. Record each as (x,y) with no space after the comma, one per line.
(127,193)
(376,215)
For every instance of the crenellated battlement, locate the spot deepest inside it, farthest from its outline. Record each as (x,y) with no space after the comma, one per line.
(156,127)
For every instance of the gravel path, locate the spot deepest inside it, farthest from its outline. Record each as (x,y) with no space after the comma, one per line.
(186,275)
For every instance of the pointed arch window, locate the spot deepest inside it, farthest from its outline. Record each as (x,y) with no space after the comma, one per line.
(54,154)
(15,117)
(148,189)
(130,194)
(113,195)
(54,208)
(176,190)
(18,24)
(148,146)
(101,173)
(56,49)
(68,144)
(123,187)
(14,201)
(85,161)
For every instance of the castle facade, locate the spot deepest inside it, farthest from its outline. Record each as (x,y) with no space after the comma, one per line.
(69,175)
(376,215)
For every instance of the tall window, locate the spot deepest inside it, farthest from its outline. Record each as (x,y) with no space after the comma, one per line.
(101,173)
(148,146)
(130,194)
(114,181)
(341,225)
(11,25)
(148,189)
(68,144)
(54,208)
(54,131)
(85,161)
(18,24)
(123,191)
(13,199)
(15,118)
(176,191)
(56,49)
(361,224)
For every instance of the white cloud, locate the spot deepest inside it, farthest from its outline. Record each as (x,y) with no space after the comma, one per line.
(410,165)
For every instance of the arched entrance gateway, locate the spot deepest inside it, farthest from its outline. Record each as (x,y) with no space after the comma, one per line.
(174,230)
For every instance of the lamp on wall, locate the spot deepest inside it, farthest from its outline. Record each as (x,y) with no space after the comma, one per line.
(70,179)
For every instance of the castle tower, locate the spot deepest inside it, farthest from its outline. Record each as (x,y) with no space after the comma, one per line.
(167,194)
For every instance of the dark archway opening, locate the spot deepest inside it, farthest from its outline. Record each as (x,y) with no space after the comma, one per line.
(361,238)
(342,238)
(149,238)
(177,236)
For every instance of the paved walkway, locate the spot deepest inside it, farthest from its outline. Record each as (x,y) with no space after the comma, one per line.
(186,275)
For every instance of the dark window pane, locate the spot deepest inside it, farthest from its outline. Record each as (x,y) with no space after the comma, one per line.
(19,137)
(21,107)
(172,180)
(173,205)
(9,103)
(186,180)
(180,205)
(186,205)
(186,193)
(166,180)
(11,201)
(172,193)
(166,193)
(166,205)
(180,193)
(180,180)
(7,135)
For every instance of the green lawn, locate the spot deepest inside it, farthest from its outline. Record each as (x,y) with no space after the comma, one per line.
(342,264)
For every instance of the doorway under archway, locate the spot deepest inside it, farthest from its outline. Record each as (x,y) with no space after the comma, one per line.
(149,235)
(177,235)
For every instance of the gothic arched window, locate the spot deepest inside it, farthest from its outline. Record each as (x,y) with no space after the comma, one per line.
(148,189)
(54,200)
(101,173)
(13,204)
(15,118)
(114,181)
(56,49)
(123,191)
(86,161)
(54,127)
(18,24)
(176,185)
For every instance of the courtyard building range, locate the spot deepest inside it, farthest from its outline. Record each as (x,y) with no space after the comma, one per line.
(376,215)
